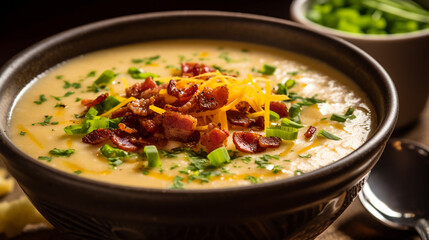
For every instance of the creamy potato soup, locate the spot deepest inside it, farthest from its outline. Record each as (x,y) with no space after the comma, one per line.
(189,114)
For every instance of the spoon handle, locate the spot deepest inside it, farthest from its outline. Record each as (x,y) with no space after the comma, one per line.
(422,228)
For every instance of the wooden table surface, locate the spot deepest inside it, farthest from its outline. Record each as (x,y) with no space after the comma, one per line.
(354,223)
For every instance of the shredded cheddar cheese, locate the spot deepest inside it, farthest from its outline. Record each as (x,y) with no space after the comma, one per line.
(156,109)
(247,90)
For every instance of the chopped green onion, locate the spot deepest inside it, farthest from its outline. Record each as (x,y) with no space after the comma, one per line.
(286,133)
(109,103)
(282,89)
(152,155)
(343,118)
(139,74)
(267,69)
(294,110)
(114,161)
(290,83)
(286,122)
(49,159)
(42,99)
(105,78)
(349,111)
(59,152)
(252,179)
(109,151)
(177,183)
(338,118)
(91,123)
(274,117)
(328,135)
(219,156)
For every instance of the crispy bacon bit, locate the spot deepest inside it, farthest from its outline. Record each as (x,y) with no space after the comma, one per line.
(141,106)
(179,93)
(137,89)
(257,124)
(195,69)
(194,138)
(148,126)
(125,141)
(279,108)
(90,103)
(243,106)
(214,137)
(270,142)
(310,132)
(185,108)
(97,136)
(247,142)
(158,139)
(121,112)
(178,126)
(126,129)
(210,99)
(237,118)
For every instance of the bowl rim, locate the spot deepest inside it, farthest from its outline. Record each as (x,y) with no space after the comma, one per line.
(380,134)
(298,8)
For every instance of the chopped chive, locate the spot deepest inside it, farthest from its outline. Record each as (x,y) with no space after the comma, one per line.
(267,69)
(46,158)
(338,118)
(174,167)
(289,123)
(77,172)
(252,179)
(42,99)
(277,169)
(61,152)
(22,133)
(305,156)
(328,135)
(177,183)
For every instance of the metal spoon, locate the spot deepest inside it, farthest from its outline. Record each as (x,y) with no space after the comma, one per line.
(397,189)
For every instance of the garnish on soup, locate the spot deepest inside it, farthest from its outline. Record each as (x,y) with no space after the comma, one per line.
(218,117)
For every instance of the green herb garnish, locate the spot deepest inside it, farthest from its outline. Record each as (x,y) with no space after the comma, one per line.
(252,179)
(177,183)
(46,158)
(42,99)
(61,152)
(328,135)
(46,121)
(140,74)
(267,69)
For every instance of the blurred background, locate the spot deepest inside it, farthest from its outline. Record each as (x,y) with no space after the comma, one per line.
(24,22)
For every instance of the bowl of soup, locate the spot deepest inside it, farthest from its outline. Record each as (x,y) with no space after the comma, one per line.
(193,125)
(394,33)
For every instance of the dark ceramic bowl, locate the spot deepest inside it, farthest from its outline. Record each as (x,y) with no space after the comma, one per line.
(296,208)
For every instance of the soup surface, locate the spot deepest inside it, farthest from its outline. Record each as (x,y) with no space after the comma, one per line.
(261,114)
